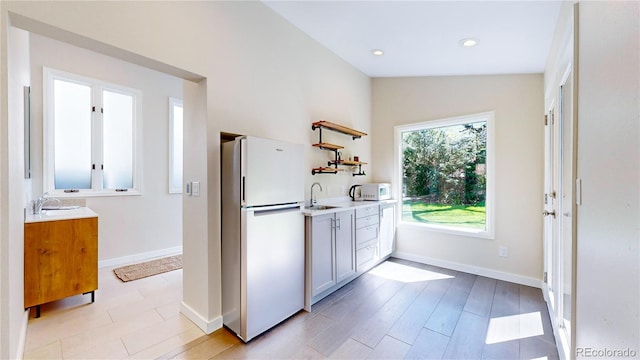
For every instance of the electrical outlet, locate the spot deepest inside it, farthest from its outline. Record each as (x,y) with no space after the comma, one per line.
(503,251)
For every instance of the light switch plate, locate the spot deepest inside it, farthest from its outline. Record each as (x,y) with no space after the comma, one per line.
(195,188)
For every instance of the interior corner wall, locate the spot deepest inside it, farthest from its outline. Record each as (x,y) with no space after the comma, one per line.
(263,77)
(518,102)
(129,226)
(608,228)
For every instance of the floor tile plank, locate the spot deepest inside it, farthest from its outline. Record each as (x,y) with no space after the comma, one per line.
(445,316)
(428,345)
(481,296)
(329,340)
(389,348)
(374,329)
(468,338)
(414,319)
(506,300)
(351,349)
(507,350)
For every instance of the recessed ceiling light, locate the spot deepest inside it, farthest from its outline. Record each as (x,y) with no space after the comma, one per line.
(468,42)
(377,52)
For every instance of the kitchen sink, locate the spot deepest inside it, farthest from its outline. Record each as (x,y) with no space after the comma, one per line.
(320,207)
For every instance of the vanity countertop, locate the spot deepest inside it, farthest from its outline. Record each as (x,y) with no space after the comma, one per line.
(57,215)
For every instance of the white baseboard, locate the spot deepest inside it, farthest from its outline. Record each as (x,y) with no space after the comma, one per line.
(494,274)
(140,257)
(208,326)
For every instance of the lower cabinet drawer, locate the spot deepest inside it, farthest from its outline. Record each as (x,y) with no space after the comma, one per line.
(367,221)
(366,235)
(366,256)
(367,211)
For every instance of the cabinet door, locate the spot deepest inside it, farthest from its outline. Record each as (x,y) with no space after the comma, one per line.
(322,261)
(60,259)
(387,230)
(345,245)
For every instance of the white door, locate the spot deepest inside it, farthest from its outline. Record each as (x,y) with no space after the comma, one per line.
(559,208)
(550,205)
(566,203)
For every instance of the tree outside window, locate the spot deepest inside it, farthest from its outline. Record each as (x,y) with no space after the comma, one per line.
(444,173)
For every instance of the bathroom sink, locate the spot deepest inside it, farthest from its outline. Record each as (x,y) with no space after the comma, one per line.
(320,207)
(66,213)
(58,212)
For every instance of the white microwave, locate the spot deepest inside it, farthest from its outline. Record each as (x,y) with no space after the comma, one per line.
(375,192)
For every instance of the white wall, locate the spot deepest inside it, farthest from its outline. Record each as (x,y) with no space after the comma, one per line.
(518,104)
(608,257)
(263,77)
(12,193)
(129,225)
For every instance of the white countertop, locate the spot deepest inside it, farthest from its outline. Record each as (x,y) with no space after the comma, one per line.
(341,206)
(57,215)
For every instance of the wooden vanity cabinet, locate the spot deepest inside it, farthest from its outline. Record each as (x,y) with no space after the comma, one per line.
(60,259)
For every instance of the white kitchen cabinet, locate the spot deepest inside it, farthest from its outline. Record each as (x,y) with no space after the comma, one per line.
(323,273)
(387,229)
(330,258)
(367,237)
(345,250)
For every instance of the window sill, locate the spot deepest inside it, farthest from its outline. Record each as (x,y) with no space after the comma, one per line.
(91,193)
(483,234)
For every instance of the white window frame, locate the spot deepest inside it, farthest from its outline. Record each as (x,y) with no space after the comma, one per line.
(489,117)
(48,156)
(174,188)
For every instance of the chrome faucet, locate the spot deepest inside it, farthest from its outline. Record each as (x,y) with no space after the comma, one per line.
(41,201)
(313,200)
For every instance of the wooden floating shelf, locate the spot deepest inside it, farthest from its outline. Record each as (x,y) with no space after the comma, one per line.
(327,146)
(350,162)
(333,164)
(339,128)
(324,170)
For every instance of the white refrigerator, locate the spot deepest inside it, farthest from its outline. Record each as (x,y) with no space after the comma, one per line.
(262,234)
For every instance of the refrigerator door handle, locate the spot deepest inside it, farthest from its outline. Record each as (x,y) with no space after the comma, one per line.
(242,191)
(277,209)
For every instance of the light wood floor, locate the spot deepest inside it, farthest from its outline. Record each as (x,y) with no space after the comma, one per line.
(139,319)
(398,310)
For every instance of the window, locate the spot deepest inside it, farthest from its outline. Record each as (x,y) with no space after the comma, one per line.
(175,146)
(92,136)
(446,174)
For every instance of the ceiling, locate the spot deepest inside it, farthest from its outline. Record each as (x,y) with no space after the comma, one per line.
(422,38)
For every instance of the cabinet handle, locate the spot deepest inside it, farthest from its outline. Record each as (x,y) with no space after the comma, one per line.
(338,223)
